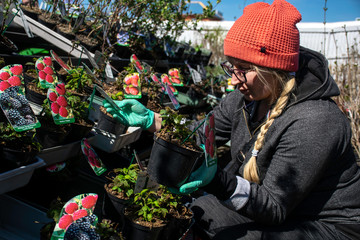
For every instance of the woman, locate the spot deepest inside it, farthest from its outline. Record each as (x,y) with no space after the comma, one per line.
(293,173)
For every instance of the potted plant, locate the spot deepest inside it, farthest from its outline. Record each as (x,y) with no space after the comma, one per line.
(49,17)
(79,83)
(146,217)
(17,148)
(31,9)
(120,189)
(109,230)
(174,154)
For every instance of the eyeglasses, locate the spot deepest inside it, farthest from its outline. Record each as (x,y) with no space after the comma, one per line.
(229,70)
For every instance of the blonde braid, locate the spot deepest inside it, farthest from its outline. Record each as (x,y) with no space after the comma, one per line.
(251,169)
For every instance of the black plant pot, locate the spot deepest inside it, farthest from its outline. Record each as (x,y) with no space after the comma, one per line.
(78,132)
(49,137)
(69,36)
(30,14)
(122,51)
(7,46)
(110,125)
(170,164)
(176,228)
(12,158)
(34,97)
(28,78)
(134,231)
(49,25)
(114,207)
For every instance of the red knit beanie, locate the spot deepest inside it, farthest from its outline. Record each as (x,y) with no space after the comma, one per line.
(266,35)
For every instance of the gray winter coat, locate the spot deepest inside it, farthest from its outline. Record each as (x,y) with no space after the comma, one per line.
(307,166)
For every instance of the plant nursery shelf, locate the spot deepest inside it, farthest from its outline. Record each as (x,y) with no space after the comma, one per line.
(51,36)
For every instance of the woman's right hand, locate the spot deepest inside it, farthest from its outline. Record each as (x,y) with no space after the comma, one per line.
(131,113)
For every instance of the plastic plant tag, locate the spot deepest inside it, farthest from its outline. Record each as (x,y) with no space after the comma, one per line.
(57,167)
(210,144)
(132,86)
(166,81)
(60,110)
(80,206)
(229,86)
(175,77)
(13,101)
(46,72)
(95,163)
(156,80)
(144,181)
(17,109)
(172,97)
(60,61)
(25,23)
(195,75)
(109,99)
(91,59)
(137,64)
(122,38)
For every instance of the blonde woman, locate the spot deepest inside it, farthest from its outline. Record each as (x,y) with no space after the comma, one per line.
(293,173)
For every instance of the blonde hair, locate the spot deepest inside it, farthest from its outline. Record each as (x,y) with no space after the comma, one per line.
(285,87)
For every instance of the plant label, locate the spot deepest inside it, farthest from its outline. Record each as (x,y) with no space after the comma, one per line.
(13,101)
(60,61)
(108,71)
(46,72)
(95,163)
(136,62)
(109,99)
(144,181)
(91,58)
(156,80)
(172,97)
(229,87)
(25,23)
(122,38)
(175,77)
(60,109)
(166,81)
(195,75)
(210,144)
(132,86)
(78,207)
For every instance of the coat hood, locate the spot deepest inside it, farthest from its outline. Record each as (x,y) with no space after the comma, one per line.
(313,78)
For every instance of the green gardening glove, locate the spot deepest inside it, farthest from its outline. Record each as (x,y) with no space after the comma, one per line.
(132,113)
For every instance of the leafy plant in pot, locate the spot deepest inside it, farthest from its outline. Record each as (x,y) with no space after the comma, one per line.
(17,148)
(120,190)
(175,153)
(146,217)
(79,82)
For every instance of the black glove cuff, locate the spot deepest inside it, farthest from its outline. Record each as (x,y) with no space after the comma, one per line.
(222,186)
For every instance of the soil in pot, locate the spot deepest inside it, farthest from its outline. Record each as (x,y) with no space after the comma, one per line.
(107,123)
(35,94)
(178,224)
(30,11)
(135,228)
(89,43)
(65,31)
(48,19)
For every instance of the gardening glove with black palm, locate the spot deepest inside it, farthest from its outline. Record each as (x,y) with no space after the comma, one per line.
(132,113)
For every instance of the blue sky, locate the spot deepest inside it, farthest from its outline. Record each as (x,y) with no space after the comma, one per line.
(311,10)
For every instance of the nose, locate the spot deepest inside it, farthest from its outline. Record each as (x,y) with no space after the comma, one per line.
(235,81)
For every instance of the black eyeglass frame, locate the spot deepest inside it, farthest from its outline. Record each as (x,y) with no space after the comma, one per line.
(230,71)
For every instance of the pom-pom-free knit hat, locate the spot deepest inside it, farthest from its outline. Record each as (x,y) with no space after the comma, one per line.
(266,35)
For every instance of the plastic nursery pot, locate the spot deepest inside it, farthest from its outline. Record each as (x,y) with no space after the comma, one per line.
(50,138)
(176,227)
(34,97)
(134,231)
(170,164)
(78,132)
(12,158)
(111,125)
(114,207)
